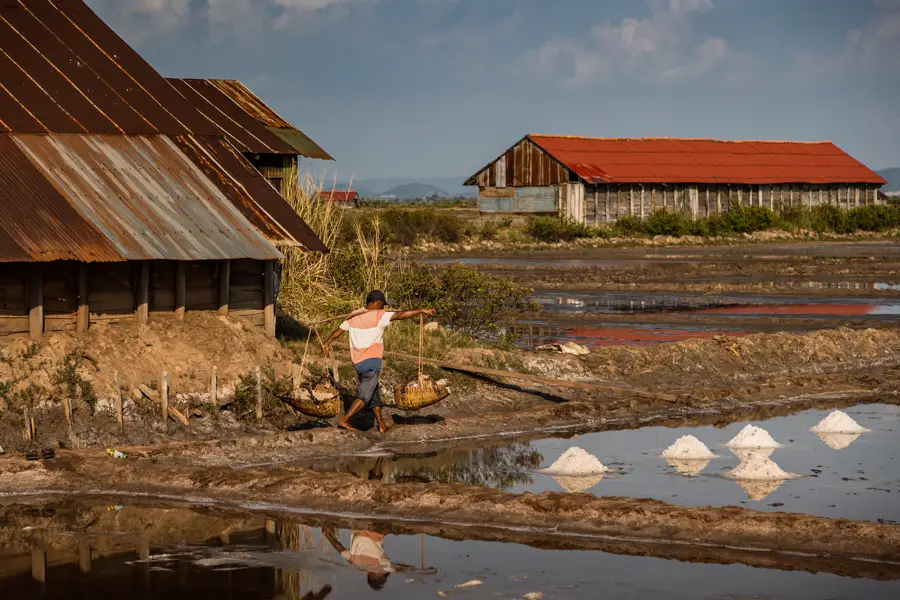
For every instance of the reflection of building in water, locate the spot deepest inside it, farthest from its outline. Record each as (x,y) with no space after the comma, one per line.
(576,484)
(838,441)
(687,466)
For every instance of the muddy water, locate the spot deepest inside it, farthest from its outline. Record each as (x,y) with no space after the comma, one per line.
(106,552)
(855,477)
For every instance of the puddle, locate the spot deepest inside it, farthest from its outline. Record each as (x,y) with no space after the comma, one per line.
(82,551)
(531,261)
(709,304)
(854,477)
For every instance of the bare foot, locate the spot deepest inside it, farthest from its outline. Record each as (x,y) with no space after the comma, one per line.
(347,426)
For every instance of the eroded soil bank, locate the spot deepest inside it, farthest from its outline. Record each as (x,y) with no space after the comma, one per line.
(283,489)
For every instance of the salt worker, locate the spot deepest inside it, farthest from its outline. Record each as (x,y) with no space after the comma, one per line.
(366,328)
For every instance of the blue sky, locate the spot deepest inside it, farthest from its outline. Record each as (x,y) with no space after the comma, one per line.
(431,88)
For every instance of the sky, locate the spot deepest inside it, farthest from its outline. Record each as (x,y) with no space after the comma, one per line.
(438,88)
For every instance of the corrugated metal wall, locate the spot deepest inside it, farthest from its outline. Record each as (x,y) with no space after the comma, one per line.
(527,200)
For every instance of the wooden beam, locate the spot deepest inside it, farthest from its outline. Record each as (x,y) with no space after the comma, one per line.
(39,565)
(35,301)
(143,293)
(84,557)
(224,285)
(269,297)
(180,289)
(83,316)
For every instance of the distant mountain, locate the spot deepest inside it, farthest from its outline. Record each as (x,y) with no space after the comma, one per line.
(415,191)
(893,178)
(451,186)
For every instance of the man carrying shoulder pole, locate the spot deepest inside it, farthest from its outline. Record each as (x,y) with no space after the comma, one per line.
(366,329)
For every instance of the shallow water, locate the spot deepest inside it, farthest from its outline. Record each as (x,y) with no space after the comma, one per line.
(296,561)
(842,476)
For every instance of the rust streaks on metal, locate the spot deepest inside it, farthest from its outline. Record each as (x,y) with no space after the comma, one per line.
(144,196)
(245,119)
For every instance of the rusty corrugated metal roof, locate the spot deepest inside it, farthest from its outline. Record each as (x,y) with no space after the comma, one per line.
(340,196)
(63,70)
(672,160)
(247,122)
(130,197)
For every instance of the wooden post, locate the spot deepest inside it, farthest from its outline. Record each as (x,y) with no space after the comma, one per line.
(143,549)
(653,199)
(270,526)
(67,409)
(35,301)
(180,289)
(642,201)
(259,395)
(856,204)
(718,200)
(164,398)
(618,202)
(296,380)
(83,318)
(596,206)
(120,417)
(143,293)
(214,387)
(39,565)
(29,430)
(607,203)
(269,297)
(224,285)
(84,557)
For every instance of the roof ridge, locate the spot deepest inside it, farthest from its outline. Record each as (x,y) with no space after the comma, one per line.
(676,139)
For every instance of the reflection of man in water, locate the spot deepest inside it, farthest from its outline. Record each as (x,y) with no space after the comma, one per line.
(366,553)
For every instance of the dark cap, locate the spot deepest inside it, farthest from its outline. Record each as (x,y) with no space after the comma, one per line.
(375,296)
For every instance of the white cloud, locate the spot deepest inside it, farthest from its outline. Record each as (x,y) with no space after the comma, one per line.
(871,48)
(662,46)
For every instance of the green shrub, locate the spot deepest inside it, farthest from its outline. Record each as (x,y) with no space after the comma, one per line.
(466,300)
(829,218)
(631,225)
(747,219)
(407,226)
(552,229)
(664,222)
(347,266)
(874,218)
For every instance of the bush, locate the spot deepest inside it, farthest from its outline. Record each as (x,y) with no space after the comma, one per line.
(552,229)
(874,218)
(827,217)
(406,227)
(467,300)
(631,225)
(747,219)
(664,222)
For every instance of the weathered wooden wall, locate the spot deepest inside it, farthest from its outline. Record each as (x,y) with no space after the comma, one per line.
(519,200)
(276,168)
(523,165)
(112,291)
(608,203)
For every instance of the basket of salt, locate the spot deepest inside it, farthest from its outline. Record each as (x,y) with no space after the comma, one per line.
(422,391)
(320,401)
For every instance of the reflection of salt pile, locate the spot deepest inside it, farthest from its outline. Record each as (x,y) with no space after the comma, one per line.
(838,422)
(687,447)
(686,466)
(753,437)
(838,441)
(575,462)
(581,483)
(759,467)
(759,490)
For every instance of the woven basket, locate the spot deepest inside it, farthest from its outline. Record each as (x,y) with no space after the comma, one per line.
(322,401)
(419,394)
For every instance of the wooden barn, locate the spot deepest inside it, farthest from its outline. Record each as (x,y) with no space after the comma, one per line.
(127,196)
(599,180)
(343,198)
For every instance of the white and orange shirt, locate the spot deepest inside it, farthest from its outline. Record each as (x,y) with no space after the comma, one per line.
(366,329)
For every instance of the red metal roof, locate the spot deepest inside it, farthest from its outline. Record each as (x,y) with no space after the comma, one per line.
(344,196)
(671,160)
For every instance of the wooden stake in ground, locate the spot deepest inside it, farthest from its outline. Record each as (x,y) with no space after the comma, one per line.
(164,397)
(120,417)
(67,409)
(259,395)
(28,434)
(214,387)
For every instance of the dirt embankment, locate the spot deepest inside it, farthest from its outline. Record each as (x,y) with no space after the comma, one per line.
(571,514)
(722,376)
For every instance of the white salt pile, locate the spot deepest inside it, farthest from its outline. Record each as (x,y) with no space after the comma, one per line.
(745,453)
(575,461)
(753,437)
(838,422)
(759,467)
(687,447)
(838,441)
